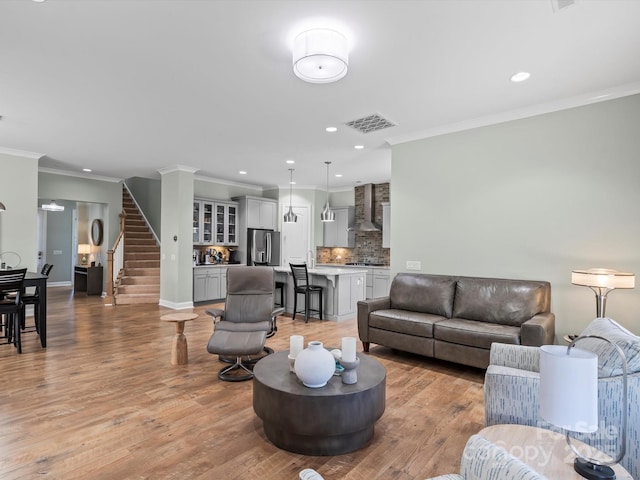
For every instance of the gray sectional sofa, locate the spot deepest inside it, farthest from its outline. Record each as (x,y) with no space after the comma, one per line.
(457,318)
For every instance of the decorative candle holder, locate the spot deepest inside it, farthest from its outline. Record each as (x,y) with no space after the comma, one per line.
(350,376)
(292,362)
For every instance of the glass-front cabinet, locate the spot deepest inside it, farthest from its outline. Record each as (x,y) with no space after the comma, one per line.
(226,217)
(196,222)
(214,223)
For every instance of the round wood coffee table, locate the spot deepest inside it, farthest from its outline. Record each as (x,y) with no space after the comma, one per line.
(179,352)
(330,420)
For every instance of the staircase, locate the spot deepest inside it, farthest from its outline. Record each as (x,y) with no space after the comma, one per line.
(140,280)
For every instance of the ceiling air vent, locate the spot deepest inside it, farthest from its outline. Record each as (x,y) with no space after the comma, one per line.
(370,123)
(558,5)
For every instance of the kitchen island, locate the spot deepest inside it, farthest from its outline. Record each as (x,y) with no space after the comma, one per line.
(343,288)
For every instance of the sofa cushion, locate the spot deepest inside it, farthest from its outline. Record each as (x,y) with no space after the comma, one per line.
(609,361)
(403,321)
(494,300)
(474,333)
(423,293)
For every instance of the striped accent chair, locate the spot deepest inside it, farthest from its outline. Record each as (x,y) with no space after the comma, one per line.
(512,383)
(483,460)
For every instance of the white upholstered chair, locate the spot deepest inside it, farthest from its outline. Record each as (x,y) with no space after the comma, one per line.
(512,383)
(483,460)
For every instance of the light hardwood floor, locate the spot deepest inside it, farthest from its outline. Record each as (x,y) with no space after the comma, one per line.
(102,401)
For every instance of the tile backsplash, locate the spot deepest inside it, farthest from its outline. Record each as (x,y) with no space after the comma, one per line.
(368,244)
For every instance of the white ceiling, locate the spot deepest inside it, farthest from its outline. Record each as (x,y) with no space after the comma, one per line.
(128,87)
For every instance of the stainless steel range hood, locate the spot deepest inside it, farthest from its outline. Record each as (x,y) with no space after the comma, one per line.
(367,225)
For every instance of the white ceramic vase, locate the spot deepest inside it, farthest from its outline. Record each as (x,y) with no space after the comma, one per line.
(315,365)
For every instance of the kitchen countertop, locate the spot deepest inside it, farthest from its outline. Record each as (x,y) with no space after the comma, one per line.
(326,270)
(338,265)
(217,265)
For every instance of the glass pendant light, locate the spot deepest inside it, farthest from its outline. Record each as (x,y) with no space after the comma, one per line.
(327,214)
(290,216)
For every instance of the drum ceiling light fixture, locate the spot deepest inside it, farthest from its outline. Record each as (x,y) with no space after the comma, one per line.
(320,55)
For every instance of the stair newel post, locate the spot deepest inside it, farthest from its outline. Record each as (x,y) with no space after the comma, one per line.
(111,265)
(108,300)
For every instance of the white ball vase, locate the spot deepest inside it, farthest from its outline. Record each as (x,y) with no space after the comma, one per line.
(315,365)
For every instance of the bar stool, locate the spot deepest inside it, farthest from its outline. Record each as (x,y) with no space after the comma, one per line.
(281,286)
(301,286)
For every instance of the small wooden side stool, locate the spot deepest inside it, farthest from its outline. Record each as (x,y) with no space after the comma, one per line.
(179,352)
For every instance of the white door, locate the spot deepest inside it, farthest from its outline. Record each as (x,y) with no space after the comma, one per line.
(295,236)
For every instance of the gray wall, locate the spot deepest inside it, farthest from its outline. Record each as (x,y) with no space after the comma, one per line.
(19,193)
(60,239)
(533,199)
(63,187)
(147,192)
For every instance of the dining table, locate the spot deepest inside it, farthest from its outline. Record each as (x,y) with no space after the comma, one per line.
(39,280)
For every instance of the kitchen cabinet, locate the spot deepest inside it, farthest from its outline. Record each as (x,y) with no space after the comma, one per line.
(380,283)
(369,283)
(337,234)
(226,217)
(214,222)
(258,212)
(386,225)
(209,283)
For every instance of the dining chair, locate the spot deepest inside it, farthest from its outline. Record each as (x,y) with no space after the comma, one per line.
(33,298)
(301,286)
(11,307)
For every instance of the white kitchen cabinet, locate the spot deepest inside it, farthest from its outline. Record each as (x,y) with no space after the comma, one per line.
(260,212)
(369,283)
(356,291)
(202,222)
(209,283)
(225,223)
(337,234)
(214,222)
(386,225)
(380,283)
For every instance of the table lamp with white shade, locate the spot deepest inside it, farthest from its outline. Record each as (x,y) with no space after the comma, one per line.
(602,281)
(569,399)
(84,249)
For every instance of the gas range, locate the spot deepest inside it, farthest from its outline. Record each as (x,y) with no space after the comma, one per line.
(365,264)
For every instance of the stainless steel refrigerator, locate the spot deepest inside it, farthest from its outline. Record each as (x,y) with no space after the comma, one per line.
(263,246)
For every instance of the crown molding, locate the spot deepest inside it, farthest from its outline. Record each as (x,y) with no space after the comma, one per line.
(21,153)
(86,176)
(525,112)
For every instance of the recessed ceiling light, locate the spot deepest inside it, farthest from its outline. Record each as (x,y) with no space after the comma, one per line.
(358,147)
(291,161)
(338,175)
(292,182)
(520,77)
(39,1)
(242,172)
(85,169)
(331,129)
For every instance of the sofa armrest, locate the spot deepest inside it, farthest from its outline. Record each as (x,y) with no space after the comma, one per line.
(539,330)
(365,307)
(515,356)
